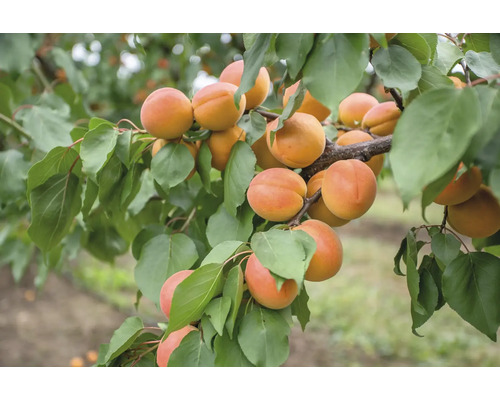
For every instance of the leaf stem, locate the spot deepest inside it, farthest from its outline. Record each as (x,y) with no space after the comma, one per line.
(16,126)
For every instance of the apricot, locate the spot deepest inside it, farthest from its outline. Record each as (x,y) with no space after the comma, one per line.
(166,348)
(381,119)
(319,210)
(327,258)
(258,93)
(374,44)
(262,286)
(457,82)
(349,188)
(220,144)
(477,217)
(168,288)
(191,146)
(276,194)
(309,105)
(354,107)
(356,136)
(167,113)
(214,106)
(264,157)
(340,132)
(461,189)
(299,142)
(76,362)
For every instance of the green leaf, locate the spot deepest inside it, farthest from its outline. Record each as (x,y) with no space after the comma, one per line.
(335,67)
(432,41)
(445,247)
(263,337)
(48,127)
(494,182)
(447,56)
(13,172)
(427,296)
(123,146)
(444,120)
(53,207)
(208,330)
(6,100)
(228,353)
(300,308)
(285,253)
(294,48)
(254,126)
(172,165)
(193,294)
(397,67)
(380,39)
(109,180)
(233,290)
(90,196)
(416,44)
(412,276)
(192,352)
(161,257)
(18,254)
(123,337)
(253,61)
(147,233)
(217,311)
(58,160)
(63,60)
(96,149)
(482,64)
(146,191)
(239,172)
(471,286)
(477,42)
(237,228)
(103,241)
(495,46)
(204,166)
(17,51)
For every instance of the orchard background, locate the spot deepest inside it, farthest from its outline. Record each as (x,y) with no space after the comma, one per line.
(86,210)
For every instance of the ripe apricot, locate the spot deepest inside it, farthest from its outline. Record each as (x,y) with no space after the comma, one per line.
(264,157)
(214,106)
(356,136)
(309,105)
(319,210)
(349,188)
(457,82)
(258,93)
(220,144)
(374,44)
(167,113)
(76,362)
(327,258)
(166,348)
(477,217)
(276,194)
(299,142)
(168,288)
(381,119)
(262,286)
(92,356)
(191,146)
(354,107)
(461,189)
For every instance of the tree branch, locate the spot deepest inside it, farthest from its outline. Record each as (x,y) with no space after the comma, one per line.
(307,204)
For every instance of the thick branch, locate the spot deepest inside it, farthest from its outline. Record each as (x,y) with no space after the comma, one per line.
(362,151)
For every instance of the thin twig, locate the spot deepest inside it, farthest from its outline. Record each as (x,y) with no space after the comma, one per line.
(307,204)
(15,125)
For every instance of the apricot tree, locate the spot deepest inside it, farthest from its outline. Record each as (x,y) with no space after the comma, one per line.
(228,196)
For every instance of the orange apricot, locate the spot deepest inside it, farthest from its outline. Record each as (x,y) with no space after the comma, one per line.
(354,107)
(262,286)
(349,188)
(167,113)
(319,210)
(214,106)
(374,44)
(264,157)
(327,258)
(381,119)
(76,362)
(220,144)
(167,347)
(258,93)
(168,288)
(461,189)
(276,194)
(191,146)
(477,217)
(299,142)
(457,82)
(376,163)
(309,105)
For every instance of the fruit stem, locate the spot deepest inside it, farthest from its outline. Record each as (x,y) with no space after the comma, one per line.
(307,203)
